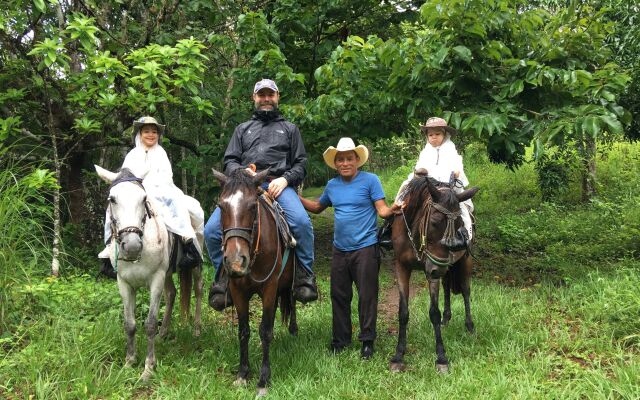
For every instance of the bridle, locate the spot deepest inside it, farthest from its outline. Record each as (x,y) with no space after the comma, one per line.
(449,234)
(248,235)
(138,230)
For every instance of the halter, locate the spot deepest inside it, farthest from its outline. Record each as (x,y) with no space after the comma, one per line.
(449,233)
(138,230)
(247,234)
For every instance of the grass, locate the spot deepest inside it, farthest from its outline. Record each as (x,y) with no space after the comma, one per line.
(554,300)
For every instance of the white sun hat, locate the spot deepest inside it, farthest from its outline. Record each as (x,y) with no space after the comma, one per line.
(345,144)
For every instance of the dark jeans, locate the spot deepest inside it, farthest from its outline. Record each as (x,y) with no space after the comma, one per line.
(360,267)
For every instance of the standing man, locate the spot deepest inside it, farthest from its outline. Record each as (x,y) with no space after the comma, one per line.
(356,197)
(268,141)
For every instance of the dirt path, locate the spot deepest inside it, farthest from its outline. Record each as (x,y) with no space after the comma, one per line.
(389,296)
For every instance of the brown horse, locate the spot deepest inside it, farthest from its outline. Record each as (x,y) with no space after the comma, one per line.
(422,238)
(257,262)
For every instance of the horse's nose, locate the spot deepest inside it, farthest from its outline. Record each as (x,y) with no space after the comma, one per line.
(131,246)
(237,266)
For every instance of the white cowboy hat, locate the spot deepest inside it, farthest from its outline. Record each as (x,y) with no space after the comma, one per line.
(345,144)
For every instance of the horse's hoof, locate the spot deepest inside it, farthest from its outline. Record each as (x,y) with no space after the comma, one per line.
(240,382)
(130,362)
(442,368)
(397,367)
(470,328)
(196,332)
(146,375)
(261,392)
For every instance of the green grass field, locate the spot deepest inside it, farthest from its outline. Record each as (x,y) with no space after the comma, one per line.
(554,298)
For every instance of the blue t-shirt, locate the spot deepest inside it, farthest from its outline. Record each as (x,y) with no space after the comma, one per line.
(355,213)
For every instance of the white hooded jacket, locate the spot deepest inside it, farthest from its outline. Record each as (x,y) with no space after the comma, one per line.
(181,213)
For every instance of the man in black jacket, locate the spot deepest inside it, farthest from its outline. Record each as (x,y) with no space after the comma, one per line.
(268,141)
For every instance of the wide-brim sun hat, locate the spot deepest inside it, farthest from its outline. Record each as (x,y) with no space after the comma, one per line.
(435,122)
(146,120)
(345,144)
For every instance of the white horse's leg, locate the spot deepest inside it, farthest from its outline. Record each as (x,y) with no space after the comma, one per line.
(151,324)
(198,287)
(170,299)
(128,295)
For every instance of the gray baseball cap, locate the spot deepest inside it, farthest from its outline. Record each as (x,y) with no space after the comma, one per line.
(265,84)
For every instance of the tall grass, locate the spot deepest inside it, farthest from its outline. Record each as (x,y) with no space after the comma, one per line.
(25,217)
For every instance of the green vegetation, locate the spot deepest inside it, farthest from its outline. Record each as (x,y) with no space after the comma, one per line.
(554,301)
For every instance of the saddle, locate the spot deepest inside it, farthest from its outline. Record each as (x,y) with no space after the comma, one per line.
(281,223)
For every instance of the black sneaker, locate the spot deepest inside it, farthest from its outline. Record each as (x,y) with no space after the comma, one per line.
(219,294)
(304,286)
(190,255)
(107,269)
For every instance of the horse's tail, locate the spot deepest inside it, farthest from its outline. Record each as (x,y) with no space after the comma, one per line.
(186,284)
(459,274)
(286,300)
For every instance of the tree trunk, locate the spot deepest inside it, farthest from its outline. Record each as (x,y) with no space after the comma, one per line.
(55,261)
(589,168)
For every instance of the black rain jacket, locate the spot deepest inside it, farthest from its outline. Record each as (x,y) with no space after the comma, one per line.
(275,144)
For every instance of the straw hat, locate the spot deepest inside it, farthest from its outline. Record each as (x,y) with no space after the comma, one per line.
(436,122)
(345,144)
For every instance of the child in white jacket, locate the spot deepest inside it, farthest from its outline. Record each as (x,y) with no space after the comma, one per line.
(438,160)
(182,214)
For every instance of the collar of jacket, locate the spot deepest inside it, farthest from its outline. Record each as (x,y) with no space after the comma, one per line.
(267,116)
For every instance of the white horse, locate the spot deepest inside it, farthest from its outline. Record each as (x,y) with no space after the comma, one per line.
(141,256)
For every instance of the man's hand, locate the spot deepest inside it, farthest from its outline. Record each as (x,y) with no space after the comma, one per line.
(456,174)
(251,169)
(276,187)
(397,207)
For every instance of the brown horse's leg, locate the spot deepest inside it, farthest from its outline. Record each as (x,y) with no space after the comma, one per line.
(241,303)
(467,265)
(442,364)
(446,285)
(169,298)
(402,275)
(266,333)
(198,288)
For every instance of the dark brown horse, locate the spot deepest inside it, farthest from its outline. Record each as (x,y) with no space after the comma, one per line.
(253,258)
(422,238)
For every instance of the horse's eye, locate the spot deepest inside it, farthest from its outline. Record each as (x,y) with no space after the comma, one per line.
(112,200)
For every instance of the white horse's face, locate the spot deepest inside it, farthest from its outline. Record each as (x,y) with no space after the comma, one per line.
(128,213)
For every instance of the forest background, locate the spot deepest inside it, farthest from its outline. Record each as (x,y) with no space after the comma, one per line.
(545,89)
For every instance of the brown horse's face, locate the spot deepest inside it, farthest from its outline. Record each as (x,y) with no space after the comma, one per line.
(444,221)
(238,205)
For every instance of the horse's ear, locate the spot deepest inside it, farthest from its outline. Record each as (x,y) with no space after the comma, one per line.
(467,194)
(222,178)
(433,190)
(106,175)
(259,177)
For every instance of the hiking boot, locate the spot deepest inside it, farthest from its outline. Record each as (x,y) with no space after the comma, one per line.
(366,352)
(304,285)
(219,294)
(384,235)
(460,241)
(107,269)
(190,255)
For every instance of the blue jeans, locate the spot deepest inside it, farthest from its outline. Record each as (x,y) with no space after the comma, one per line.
(296,216)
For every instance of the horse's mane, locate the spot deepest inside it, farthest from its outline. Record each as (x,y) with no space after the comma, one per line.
(125,175)
(416,194)
(238,179)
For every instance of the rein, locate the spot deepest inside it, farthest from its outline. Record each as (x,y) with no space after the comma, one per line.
(449,234)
